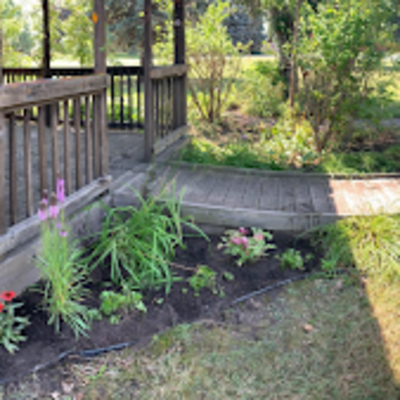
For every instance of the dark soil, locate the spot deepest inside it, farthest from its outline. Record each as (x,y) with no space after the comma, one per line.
(44,345)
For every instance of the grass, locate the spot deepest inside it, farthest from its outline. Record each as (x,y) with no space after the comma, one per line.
(320,339)
(255,153)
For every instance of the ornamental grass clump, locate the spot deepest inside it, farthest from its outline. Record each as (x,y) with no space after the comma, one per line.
(62,266)
(246,245)
(11,325)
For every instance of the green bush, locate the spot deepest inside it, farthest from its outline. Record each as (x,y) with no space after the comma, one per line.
(262,90)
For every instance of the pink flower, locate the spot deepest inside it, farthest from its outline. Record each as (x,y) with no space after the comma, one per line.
(243,231)
(259,237)
(42,212)
(60,189)
(59,225)
(53,211)
(236,240)
(63,233)
(245,242)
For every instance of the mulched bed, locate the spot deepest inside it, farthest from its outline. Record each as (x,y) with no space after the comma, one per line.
(44,346)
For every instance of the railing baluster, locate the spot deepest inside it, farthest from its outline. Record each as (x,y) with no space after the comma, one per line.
(3,219)
(88,136)
(112,80)
(67,149)
(77,128)
(28,163)
(121,99)
(54,143)
(42,149)
(130,100)
(96,136)
(12,143)
(138,93)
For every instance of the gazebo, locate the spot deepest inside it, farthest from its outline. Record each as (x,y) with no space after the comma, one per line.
(71,109)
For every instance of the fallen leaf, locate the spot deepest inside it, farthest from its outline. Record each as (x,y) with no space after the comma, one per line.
(308,328)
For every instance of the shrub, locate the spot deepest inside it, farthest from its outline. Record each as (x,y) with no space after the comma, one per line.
(214,61)
(262,91)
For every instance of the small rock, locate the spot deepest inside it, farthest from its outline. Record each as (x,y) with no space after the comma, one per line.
(308,328)
(339,285)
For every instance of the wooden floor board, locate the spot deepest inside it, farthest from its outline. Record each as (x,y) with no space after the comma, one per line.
(302,196)
(252,194)
(220,191)
(269,194)
(286,194)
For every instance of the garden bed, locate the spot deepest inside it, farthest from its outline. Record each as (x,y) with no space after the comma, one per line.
(43,346)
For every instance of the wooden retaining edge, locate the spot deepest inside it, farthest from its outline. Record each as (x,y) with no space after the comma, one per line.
(170,139)
(271,220)
(292,174)
(26,230)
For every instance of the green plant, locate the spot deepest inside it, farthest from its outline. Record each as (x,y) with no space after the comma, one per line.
(292,259)
(246,245)
(369,243)
(228,276)
(204,277)
(139,243)
(11,325)
(261,91)
(113,303)
(62,267)
(214,61)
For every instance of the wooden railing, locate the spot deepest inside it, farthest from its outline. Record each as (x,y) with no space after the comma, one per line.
(73,145)
(125,97)
(169,104)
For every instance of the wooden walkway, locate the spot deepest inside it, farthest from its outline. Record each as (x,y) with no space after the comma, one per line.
(272,200)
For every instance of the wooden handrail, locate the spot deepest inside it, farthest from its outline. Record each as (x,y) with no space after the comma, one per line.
(22,95)
(169,71)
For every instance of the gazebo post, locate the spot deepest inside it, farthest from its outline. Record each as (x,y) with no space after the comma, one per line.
(46,40)
(180,101)
(148,101)
(100,101)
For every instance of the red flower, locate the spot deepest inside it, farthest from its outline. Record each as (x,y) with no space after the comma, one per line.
(1,307)
(8,296)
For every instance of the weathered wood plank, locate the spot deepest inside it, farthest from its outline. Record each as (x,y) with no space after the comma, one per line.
(3,190)
(54,144)
(202,189)
(302,196)
(269,194)
(67,149)
(42,149)
(103,132)
(77,132)
(252,193)
(220,191)
(321,196)
(168,71)
(22,95)
(88,136)
(170,139)
(340,198)
(286,195)
(28,163)
(13,157)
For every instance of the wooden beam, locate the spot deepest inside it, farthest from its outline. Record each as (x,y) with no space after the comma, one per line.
(99,20)
(22,95)
(1,51)
(46,39)
(168,71)
(3,219)
(148,87)
(180,101)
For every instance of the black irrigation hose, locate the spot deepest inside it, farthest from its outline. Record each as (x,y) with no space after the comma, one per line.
(84,354)
(101,350)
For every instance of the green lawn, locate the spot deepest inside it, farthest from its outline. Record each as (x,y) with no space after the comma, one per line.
(319,339)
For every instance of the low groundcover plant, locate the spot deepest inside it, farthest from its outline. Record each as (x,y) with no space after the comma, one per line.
(246,245)
(11,325)
(62,267)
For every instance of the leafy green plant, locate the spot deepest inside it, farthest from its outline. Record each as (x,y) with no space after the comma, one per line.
(214,61)
(113,304)
(62,267)
(245,245)
(138,243)
(11,325)
(370,244)
(292,259)
(262,91)
(204,277)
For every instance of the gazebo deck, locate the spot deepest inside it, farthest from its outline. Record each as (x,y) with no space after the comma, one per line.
(230,197)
